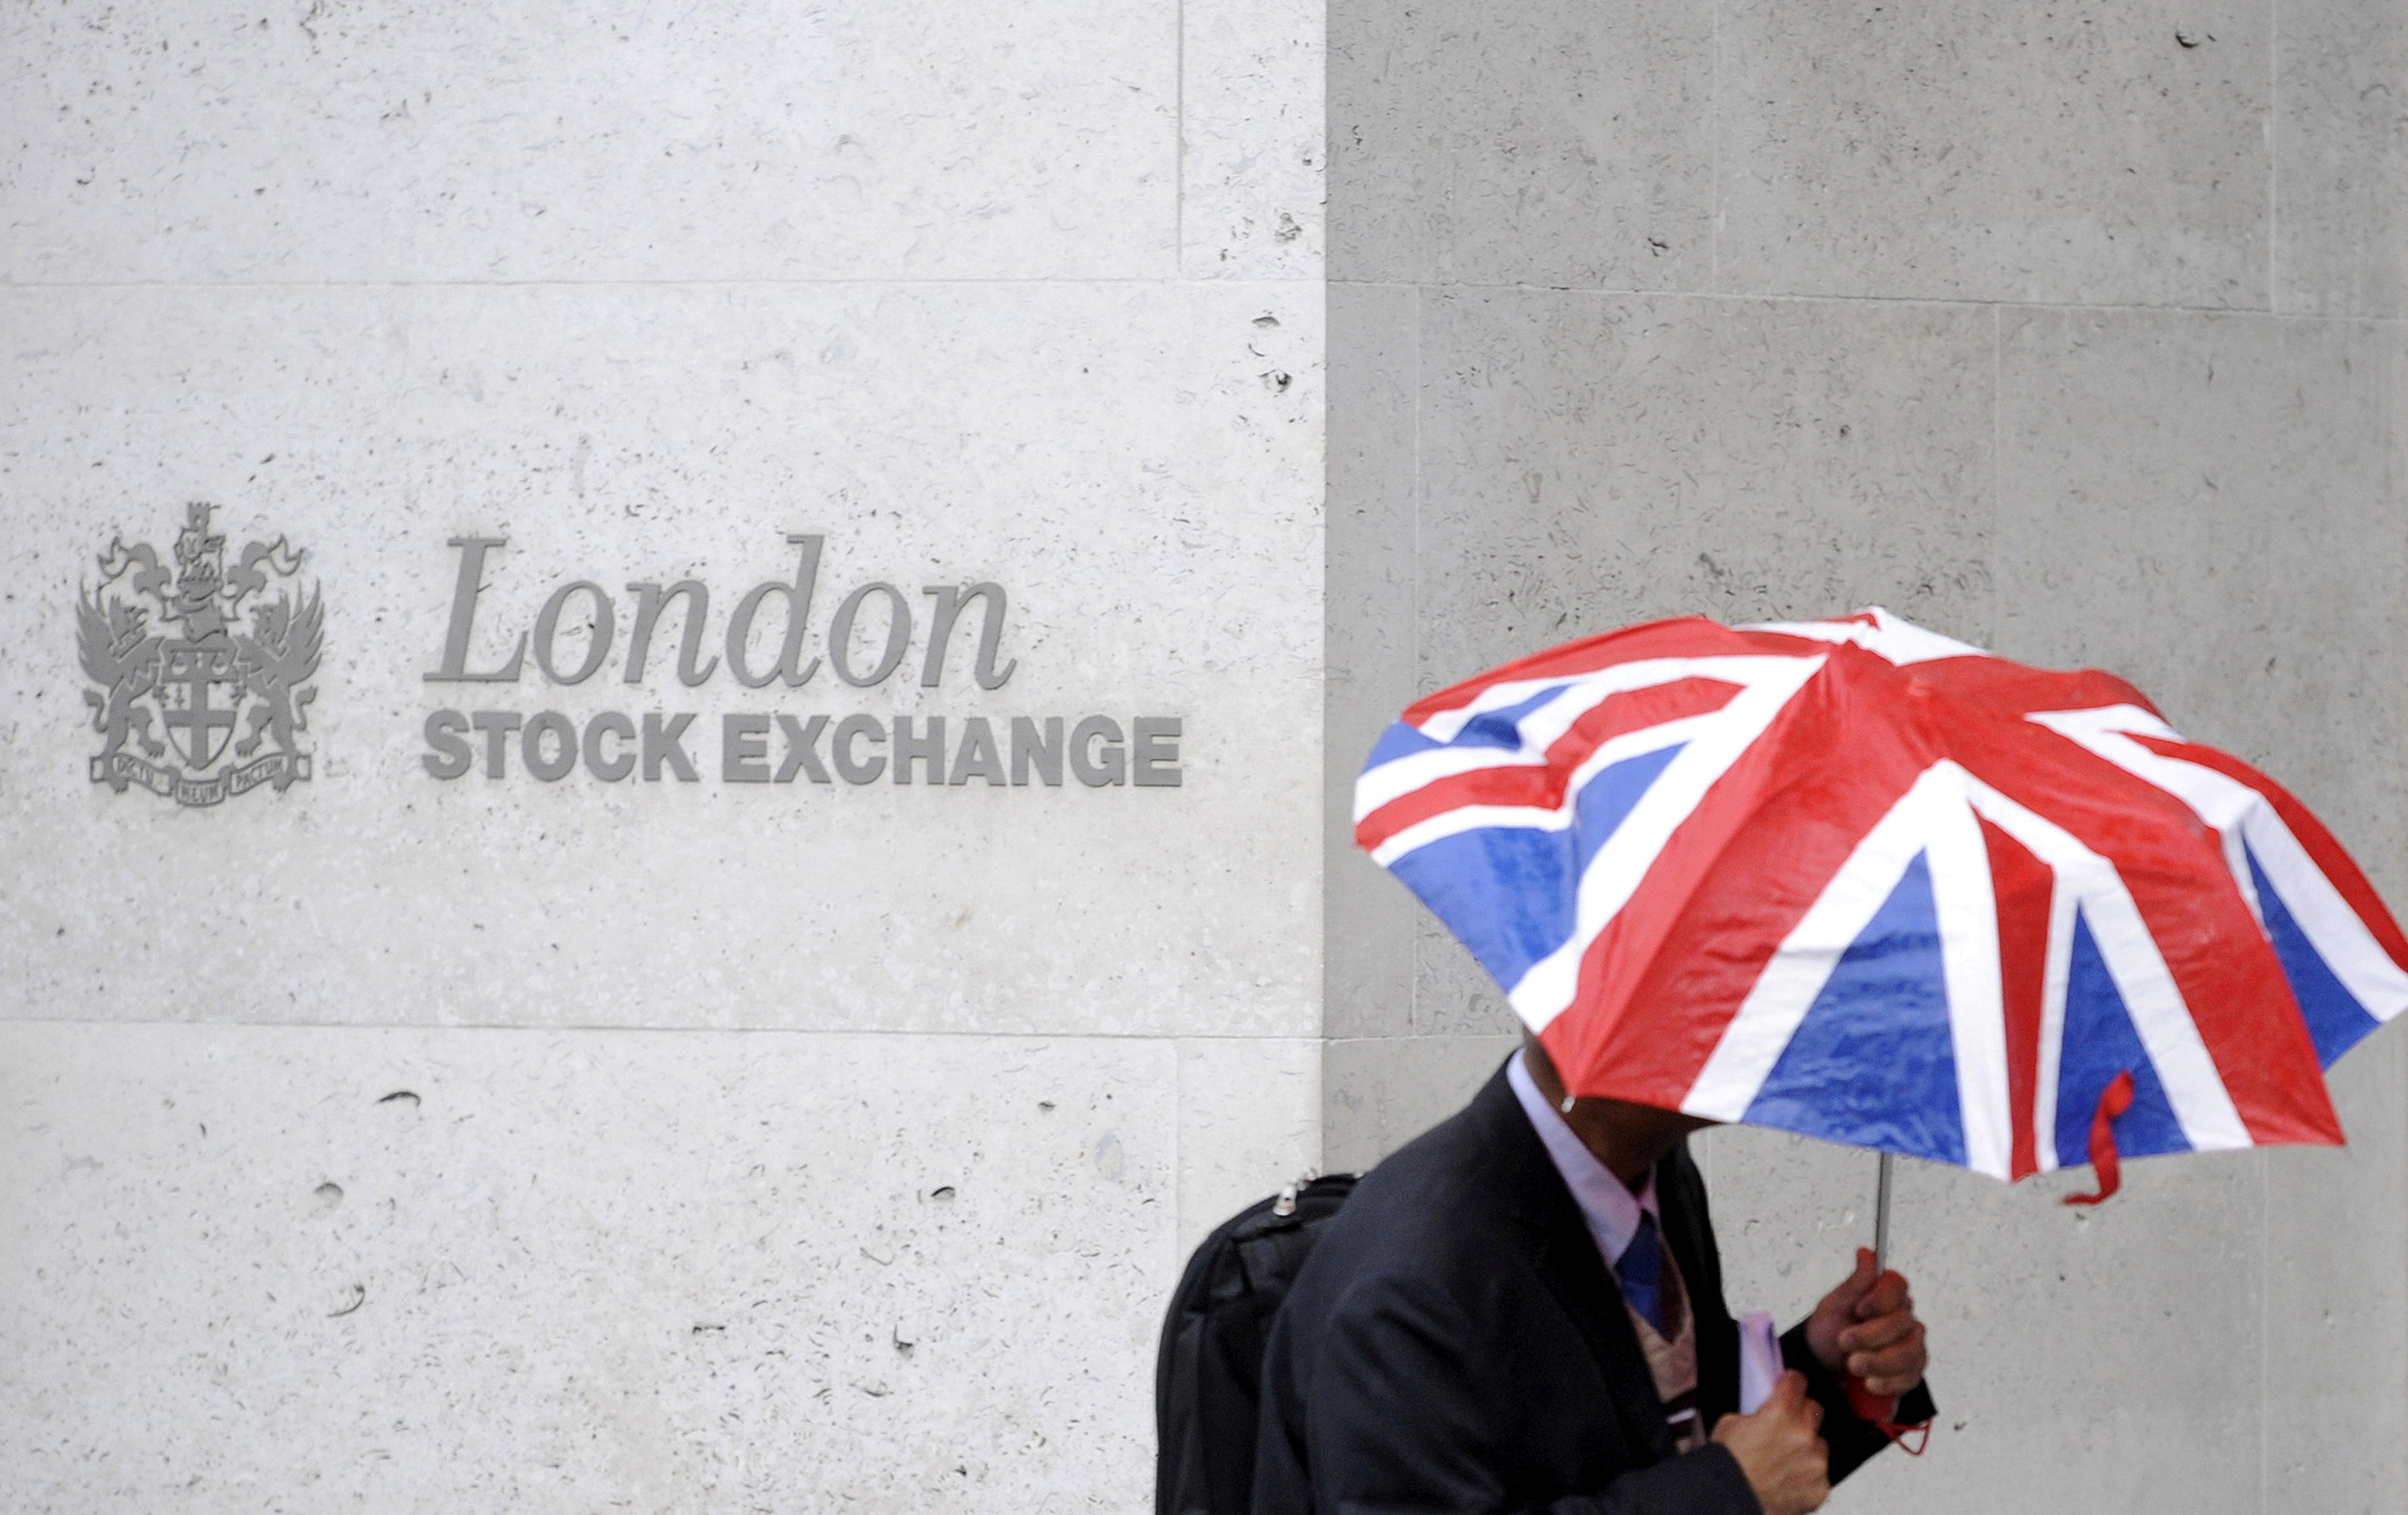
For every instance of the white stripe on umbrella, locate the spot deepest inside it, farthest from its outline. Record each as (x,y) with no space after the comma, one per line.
(1542,727)
(2239,812)
(1901,642)
(1557,817)
(1934,821)
(1967,904)
(1613,875)
(2334,928)
(1790,983)
(2202,1107)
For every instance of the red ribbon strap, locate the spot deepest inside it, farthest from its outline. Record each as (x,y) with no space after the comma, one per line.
(2113,1101)
(1877,1409)
(1898,1435)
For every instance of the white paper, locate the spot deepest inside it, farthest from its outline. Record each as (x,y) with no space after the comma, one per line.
(1759,1360)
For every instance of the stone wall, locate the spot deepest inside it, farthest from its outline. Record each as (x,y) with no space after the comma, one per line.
(2078,333)
(399,1141)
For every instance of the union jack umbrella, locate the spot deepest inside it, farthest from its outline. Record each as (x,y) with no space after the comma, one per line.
(1853,879)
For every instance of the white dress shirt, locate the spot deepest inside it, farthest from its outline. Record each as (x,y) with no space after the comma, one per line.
(1606,1203)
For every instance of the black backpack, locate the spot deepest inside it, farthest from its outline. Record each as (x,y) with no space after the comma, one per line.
(1208,1381)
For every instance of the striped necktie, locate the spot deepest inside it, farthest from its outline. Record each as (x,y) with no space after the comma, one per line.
(1640,1272)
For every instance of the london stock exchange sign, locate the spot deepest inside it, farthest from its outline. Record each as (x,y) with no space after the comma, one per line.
(769,642)
(196,665)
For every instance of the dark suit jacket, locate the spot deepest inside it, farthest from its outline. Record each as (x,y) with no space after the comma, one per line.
(1456,1345)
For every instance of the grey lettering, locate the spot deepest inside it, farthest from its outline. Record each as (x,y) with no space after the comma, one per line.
(798,609)
(650,603)
(950,603)
(801,743)
(665,743)
(1027,748)
(899,634)
(744,749)
(452,756)
(564,736)
(929,750)
(547,626)
(1094,771)
(464,614)
(851,769)
(978,757)
(1153,751)
(497,727)
(609,767)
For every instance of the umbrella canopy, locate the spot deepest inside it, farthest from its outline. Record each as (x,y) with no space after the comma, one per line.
(1856,879)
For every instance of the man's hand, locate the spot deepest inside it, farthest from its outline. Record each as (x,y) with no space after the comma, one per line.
(1785,1461)
(1867,1327)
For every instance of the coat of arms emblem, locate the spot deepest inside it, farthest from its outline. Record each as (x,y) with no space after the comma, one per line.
(186,700)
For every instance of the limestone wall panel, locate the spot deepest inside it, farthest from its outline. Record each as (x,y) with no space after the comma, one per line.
(331,143)
(1136,465)
(248,1268)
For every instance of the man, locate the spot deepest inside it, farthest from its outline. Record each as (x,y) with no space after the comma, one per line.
(1522,1311)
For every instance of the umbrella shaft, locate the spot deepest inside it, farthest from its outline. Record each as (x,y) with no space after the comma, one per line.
(1881,1216)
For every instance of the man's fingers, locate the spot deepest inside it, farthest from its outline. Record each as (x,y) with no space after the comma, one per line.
(1872,1336)
(1898,1380)
(1907,1343)
(1858,1282)
(1888,1295)
(1904,1358)
(1878,1368)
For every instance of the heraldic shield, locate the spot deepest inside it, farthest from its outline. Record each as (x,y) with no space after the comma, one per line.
(186,700)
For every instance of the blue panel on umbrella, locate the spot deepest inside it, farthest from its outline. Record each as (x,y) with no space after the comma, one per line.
(1502,727)
(1400,741)
(2099,1043)
(1874,1062)
(1608,799)
(1491,728)
(2335,1018)
(1509,893)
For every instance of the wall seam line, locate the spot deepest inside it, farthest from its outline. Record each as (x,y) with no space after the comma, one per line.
(1913,302)
(1116,281)
(1179,143)
(1997,447)
(836,282)
(2265,1218)
(1714,146)
(2273,155)
(1071,1034)
(1177,1157)
(1413,613)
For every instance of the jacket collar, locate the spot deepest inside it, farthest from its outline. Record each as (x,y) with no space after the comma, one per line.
(1554,1238)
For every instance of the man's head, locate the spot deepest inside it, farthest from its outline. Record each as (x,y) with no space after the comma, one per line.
(1627,1138)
